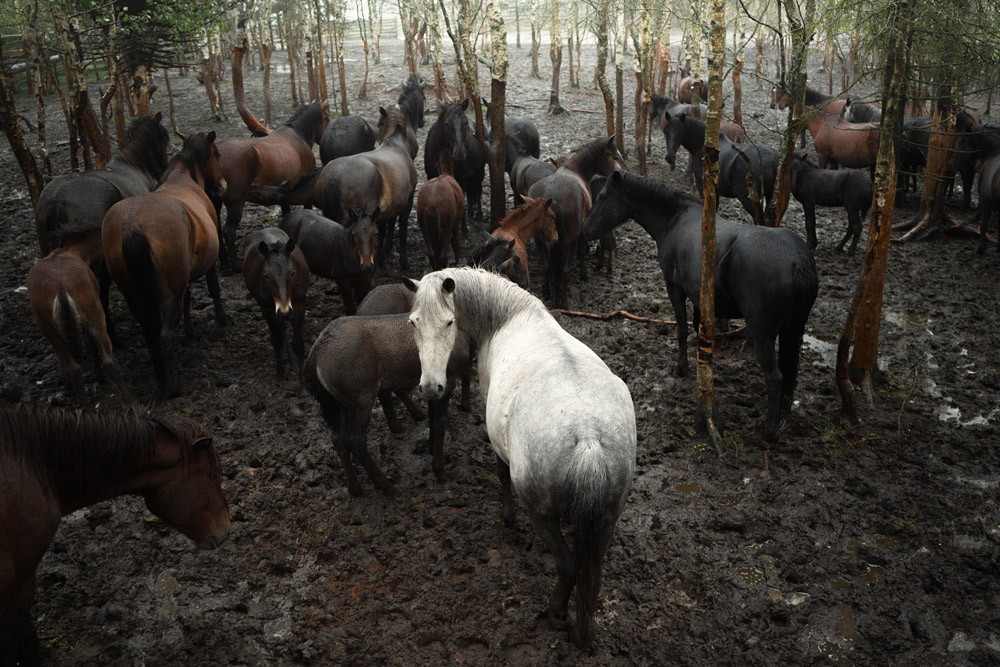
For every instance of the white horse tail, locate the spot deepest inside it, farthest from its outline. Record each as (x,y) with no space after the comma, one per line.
(593,521)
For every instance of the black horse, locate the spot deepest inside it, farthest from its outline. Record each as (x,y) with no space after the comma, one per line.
(734,162)
(765,275)
(522,138)
(850,188)
(982,144)
(346,135)
(75,204)
(452,136)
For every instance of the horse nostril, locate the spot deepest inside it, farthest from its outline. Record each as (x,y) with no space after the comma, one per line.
(440,389)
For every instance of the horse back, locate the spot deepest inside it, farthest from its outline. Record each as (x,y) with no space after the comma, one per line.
(326,245)
(989,181)
(571,201)
(73,203)
(398,177)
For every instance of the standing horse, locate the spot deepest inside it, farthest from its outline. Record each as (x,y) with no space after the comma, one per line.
(345,255)
(840,143)
(252,167)
(440,211)
(346,135)
(521,135)
(765,275)
(988,150)
(561,423)
(816,102)
(381,182)
(735,160)
(387,125)
(849,188)
(506,249)
(411,103)
(525,172)
(157,243)
(54,462)
(570,194)
(65,302)
(76,203)
(452,136)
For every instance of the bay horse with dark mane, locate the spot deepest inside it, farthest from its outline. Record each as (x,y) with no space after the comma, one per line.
(569,190)
(54,462)
(506,248)
(452,136)
(282,157)
(74,204)
(765,275)
(157,243)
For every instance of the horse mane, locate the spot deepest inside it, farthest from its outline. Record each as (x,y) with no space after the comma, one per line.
(74,449)
(411,102)
(521,212)
(804,157)
(145,147)
(641,188)
(487,314)
(394,117)
(590,151)
(193,155)
(814,97)
(305,120)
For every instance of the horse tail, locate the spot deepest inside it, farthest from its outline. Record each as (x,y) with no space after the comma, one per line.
(805,286)
(66,319)
(299,194)
(593,525)
(329,200)
(327,404)
(51,235)
(144,296)
(432,227)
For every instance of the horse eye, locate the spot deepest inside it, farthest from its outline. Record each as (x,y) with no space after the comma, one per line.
(450,322)
(413,322)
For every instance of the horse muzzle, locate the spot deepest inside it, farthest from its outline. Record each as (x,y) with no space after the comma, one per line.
(672,162)
(215,539)
(283,308)
(432,390)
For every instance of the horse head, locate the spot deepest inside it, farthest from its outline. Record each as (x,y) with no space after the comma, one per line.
(673,133)
(279,271)
(186,488)
(215,182)
(323,121)
(612,159)
(609,208)
(779,98)
(364,232)
(455,127)
(433,320)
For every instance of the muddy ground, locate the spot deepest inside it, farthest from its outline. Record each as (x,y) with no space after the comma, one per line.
(871,544)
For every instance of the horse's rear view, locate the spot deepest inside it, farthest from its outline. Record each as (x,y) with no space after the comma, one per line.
(561,423)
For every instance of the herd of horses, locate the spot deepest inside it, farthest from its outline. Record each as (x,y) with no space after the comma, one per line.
(561,423)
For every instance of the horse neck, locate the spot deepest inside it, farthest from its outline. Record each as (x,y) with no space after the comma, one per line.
(694,135)
(178,175)
(657,213)
(485,302)
(584,165)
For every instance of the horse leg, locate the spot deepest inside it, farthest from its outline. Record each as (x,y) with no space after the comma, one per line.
(404,219)
(548,529)
(276,328)
(104,285)
(853,230)
(506,497)
(679,302)
(465,404)
(581,255)
(984,220)
(168,337)
(763,344)
(188,330)
(297,347)
(438,409)
(212,278)
(810,213)
(416,414)
(359,449)
(385,398)
(228,257)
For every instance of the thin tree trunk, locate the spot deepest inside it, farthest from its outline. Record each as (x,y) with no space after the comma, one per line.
(705,407)
(862,325)
(555,56)
(11,127)
(496,152)
(601,74)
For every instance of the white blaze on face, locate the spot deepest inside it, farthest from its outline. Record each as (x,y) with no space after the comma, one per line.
(433,319)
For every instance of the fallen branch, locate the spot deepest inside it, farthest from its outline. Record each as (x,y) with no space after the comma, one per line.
(611,315)
(583,110)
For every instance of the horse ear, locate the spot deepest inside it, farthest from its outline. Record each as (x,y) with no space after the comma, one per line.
(440,107)
(465,104)
(382,112)
(263,249)
(290,246)
(683,116)
(448,285)
(616,177)
(211,136)
(411,285)
(201,443)
(510,244)
(548,203)
(158,117)
(325,105)
(376,213)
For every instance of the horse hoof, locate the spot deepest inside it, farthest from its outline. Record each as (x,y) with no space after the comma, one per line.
(391,491)
(355,490)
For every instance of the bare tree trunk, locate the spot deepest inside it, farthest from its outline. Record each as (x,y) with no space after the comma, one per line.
(644,82)
(705,407)
(555,55)
(796,113)
(496,152)
(862,325)
(536,38)
(81,111)
(601,74)
(11,127)
(34,74)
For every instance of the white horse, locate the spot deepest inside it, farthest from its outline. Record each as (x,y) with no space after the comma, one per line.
(561,423)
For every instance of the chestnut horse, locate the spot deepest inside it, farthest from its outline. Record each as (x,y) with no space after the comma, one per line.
(440,211)
(839,142)
(506,249)
(570,194)
(65,302)
(76,203)
(55,462)
(156,243)
(251,165)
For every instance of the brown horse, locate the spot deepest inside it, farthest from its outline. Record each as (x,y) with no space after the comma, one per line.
(156,243)
(440,210)
(506,249)
(570,194)
(76,203)
(839,142)
(382,181)
(53,462)
(65,302)
(252,167)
